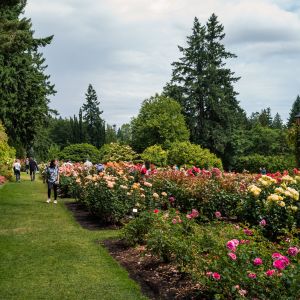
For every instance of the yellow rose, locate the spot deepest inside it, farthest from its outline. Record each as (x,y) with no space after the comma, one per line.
(281,203)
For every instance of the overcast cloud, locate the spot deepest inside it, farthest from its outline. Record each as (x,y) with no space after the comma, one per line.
(125,48)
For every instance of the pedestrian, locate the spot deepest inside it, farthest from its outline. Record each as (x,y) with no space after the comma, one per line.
(27,165)
(33,167)
(17,170)
(88,164)
(99,168)
(52,175)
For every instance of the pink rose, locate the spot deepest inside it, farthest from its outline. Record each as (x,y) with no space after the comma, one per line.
(242,292)
(257,261)
(236,242)
(216,276)
(189,216)
(263,223)
(293,251)
(208,274)
(171,199)
(281,263)
(218,214)
(252,275)
(276,255)
(174,221)
(248,231)
(195,213)
(232,255)
(231,246)
(270,272)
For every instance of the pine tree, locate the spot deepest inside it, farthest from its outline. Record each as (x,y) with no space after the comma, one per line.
(265,117)
(24,88)
(110,134)
(204,87)
(92,117)
(294,111)
(277,122)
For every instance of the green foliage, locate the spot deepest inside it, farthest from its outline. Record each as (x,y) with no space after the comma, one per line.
(156,155)
(110,134)
(185,153)
(124,134)
(204,87)
(159,121)
(24,88)
(92,118)
(202,251)
(116,152)
(253,163)
(53,152)
(294,111)
(7,155)
(80,152)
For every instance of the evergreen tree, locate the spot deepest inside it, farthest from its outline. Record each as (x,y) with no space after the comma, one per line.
(92,117)
(24,88)
(277,122)
(124,134)
(204,87)
(294,111)
(265,117)
(110,134)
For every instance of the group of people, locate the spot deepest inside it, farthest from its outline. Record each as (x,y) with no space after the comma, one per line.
(30,165)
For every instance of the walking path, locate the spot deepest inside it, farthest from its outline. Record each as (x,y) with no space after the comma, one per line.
(45,254)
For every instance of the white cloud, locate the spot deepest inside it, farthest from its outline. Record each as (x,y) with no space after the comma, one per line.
(125,48)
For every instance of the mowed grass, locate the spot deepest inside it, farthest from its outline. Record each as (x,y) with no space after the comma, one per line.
(45,254)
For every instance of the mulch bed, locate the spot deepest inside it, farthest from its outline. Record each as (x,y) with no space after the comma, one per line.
(158,280)
(86,219)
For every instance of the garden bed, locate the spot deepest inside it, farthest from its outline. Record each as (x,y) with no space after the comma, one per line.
(158,280)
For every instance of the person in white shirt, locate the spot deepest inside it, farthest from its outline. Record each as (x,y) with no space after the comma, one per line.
(17,169)
(88,164)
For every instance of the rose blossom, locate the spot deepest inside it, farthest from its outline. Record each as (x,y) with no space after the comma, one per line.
(216,276)
(263,223)
(242,292)
(252,275)
(257,261)
(270,272)
(231,246)
(232,256)
(248,231)
(281,263)
(276,255)
(174,221)
(218,214)
(156,211)
(293,251)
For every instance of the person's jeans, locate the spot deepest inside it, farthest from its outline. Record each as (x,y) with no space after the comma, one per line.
(50,186)
(18,175)
(32,175)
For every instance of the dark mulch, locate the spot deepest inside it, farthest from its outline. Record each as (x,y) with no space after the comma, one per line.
(86,219)
(158,280)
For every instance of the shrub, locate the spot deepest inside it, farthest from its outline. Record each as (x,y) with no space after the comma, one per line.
(156,155)
(186,153)
(7,155)
(116,152)
(80,152)
(253,163)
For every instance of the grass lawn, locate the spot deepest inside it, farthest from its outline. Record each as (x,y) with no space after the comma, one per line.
(45,254)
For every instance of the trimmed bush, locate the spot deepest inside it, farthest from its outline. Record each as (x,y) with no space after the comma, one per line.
(156,155)
(116,152)
(80,152)
(186,153)
(253,163)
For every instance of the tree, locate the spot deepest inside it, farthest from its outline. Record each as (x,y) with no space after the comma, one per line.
(204,87)
(265,117)
(110,134)
(80,152)
(117,152)
(24,88)
(159,121)
(294,111)
(124,134)
(92,118)
(277,122)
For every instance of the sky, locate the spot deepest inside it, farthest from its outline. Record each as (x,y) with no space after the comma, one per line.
(125,48)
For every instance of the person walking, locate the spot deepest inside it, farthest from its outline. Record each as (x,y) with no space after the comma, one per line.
(33,167)
(52,175)
(17,170)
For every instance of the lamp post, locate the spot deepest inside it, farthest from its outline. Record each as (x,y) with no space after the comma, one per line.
(297,140)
